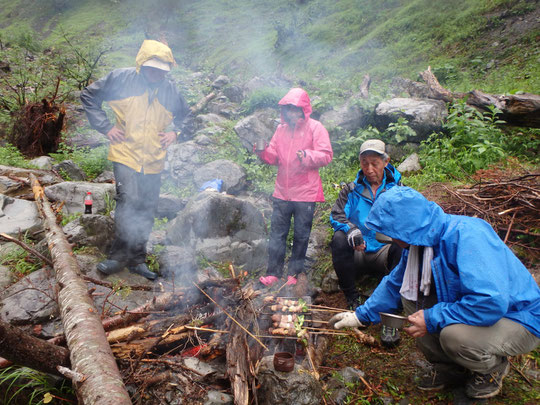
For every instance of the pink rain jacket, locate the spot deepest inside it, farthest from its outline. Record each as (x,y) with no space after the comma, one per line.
(299,180)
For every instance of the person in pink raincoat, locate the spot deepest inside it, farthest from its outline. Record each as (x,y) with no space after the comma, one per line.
(299,147)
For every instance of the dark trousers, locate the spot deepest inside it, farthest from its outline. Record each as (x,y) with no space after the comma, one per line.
(137,196)
(347,269)
(279,229)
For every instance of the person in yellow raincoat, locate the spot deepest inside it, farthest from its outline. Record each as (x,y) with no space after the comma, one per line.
(150,114)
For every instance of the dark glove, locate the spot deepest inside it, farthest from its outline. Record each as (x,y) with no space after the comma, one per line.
(344,320)
(354,237)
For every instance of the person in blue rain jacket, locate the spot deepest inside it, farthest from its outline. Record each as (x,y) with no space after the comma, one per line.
(480,306)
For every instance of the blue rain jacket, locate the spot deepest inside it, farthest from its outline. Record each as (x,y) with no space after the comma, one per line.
(355,201)
(478,279)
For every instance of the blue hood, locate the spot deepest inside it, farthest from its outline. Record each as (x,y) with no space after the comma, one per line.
(404,214)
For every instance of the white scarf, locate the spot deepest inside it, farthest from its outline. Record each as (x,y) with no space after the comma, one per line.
(409,288)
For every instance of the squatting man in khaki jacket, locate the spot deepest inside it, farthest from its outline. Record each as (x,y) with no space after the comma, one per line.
(145,104)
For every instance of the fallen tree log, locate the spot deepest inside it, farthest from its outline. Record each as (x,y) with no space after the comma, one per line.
(90,352)
(25,350)
(516,109)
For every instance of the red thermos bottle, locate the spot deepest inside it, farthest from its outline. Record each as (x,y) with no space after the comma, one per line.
(88,203)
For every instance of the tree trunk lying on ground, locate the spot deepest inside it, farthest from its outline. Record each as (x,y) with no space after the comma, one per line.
(28,351)
(90,352)
(518,109)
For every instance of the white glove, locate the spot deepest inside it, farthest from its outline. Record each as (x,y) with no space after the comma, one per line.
(344,320)
(355,238)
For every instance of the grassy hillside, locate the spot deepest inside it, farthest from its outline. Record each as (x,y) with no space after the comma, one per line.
(492,45)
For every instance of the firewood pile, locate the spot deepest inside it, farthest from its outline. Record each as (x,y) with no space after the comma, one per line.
(510,202)
(216,319)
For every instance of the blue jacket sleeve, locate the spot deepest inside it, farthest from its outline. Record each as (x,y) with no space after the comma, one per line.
(386,297)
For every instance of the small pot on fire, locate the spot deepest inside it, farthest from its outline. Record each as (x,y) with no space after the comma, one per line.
(284,361)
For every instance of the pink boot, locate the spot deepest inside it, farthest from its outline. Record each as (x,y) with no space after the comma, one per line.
(268,280)
(291,280)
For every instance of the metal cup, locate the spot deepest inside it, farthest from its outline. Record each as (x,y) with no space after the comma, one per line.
(260,144)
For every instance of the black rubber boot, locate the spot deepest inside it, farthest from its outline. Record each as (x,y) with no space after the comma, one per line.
(143,270)
(353,299)
(110,266)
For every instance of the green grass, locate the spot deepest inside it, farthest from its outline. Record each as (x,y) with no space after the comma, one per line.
(34,388)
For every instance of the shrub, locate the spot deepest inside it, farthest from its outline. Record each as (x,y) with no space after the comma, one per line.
(262,98)
(93,161)
(11,156)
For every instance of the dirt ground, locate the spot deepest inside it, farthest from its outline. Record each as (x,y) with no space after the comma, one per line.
(391,372)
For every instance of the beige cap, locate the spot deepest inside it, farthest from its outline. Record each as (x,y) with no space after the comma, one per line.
(158,64)
(374,145)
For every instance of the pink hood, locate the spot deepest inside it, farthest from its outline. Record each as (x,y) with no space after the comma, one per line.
(299,98)
(298,179)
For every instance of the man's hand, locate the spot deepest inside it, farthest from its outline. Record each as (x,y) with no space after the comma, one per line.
(116,135)
(300,154)
(418,327)
(344,320)
(167,139)
(355,239)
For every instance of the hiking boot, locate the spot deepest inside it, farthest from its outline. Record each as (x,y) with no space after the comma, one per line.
(437,378)
(389,336)
(110,266)
(488,385)
(353,301)
(143,270)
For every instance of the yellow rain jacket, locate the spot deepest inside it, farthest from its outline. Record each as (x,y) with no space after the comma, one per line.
(141,109)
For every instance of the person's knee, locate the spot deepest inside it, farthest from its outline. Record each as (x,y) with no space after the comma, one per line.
(339,242)
(455,340)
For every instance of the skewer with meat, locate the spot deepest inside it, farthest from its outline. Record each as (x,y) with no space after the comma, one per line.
(285,308)
(288,332)
(285,318)
(283,331)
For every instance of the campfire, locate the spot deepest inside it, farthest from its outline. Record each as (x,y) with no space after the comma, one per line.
(219,318)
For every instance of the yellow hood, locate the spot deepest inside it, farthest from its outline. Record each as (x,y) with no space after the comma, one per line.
(153,49)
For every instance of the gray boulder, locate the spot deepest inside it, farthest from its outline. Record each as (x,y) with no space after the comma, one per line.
(351,116)
(11,187)
(169,206)
(18,216)
(106,177)
(72,194)
(410,165)
(232,174)
(222,106)
(91,230)
(182,160)
(329,283)
(6,277)
(297,387)
(31,300)
(425,116)
(210,119)
(70,171)
(233,93)
(220,82)
(260,125)
(221,227)
(43,162)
